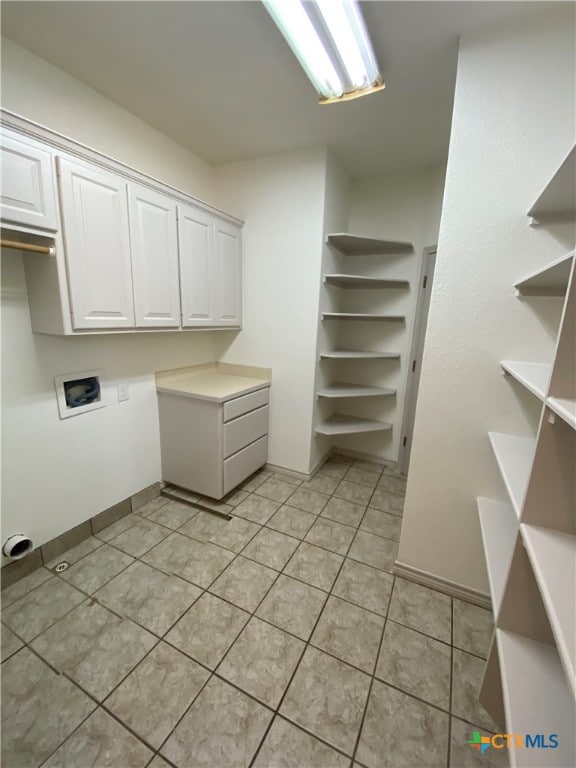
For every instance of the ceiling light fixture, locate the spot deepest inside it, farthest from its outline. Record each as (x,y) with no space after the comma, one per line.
(329,39)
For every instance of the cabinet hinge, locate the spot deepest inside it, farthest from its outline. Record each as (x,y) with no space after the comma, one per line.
(404,441)
(413,365)
(425,281)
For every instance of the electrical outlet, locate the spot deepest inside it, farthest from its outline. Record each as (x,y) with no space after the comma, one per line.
(123,393)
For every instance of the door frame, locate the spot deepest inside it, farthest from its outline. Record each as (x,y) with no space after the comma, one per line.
(416,353)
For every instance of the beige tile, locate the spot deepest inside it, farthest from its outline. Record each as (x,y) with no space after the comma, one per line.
(327,698)
(67,542)
(374,550)
(234,498)
(350,633)
(153,506)
(467,676)
(218,506)
(10,643)
(237,533)
(100,742)
(358,494)
(159,762)
(148,597)
(401,732)
(119,526)
(17,570)
(140,538)
(39,710)
(333,470)
(275,489)
(172,515)
(286,478)
(415,663)
(145,496)
(244,583)
(382,524)
(261,661)
(293,606)
(368,466)
(271,548)
(322,484)
(365,586)
(463,756)
(343,511)
(422,609)
(25,585)
(222,729)
(110,516)
(294,522)
(192,560)
(287,746)
(392,484)
(208,629)
(473,628)
(94,647)
(257,509)
(94,570)
(153,697)
(309,501)
(315,566)
(387,502)
(362,477)
(330,535)
(204,525)
(255,481)
(40,608)
(340,459)
(76,553)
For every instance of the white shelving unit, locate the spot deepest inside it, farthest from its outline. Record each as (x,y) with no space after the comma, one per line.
(530,543)
(346,305)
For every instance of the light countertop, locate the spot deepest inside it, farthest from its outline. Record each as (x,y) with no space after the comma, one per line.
(217,382)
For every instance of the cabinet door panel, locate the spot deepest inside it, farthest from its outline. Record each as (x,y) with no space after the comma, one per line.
(196,240)
(28,194)
(228,274)
(97,239)
(154,258)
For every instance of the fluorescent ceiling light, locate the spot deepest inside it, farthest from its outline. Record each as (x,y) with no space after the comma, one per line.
(329,39)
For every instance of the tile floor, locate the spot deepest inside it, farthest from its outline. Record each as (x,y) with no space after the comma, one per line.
(278,638)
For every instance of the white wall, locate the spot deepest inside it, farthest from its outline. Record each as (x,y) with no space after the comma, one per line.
(58,473)
(404,207)
(513,124)
(282,200)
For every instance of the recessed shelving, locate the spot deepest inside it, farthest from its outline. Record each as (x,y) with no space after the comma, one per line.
(534,376)
(537,699)
(551,280)
(499,526)
(356,245)
(358,354)
(553,558)
(339,424)
(514,456)
(360,316)
(558,200)
(339,389)
(564,408)
(361,281)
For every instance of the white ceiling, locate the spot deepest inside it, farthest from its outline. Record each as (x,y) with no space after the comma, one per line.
(219,78)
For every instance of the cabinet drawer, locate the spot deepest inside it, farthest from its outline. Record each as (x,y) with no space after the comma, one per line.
(245,430)
(240,405)
(244,463)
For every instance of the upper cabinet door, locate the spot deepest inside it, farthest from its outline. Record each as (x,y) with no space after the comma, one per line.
(28,191)
(154,258)
(228,274)
(196,238)
(97,240)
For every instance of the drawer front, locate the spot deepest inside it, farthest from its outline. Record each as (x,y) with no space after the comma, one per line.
(244,430)
(244,463)
(240,405)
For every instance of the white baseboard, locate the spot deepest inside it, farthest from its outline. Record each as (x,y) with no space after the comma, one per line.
(451,588)
(289,472)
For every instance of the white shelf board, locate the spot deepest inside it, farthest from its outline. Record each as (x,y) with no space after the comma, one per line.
(514,456)
(340,389)
(534,376)
(551,280)
(558,199)
(536,700)
(358,354)
(356,245)
(553,557)
(359,316)
(564,408)
(357,281)
(339,424)
(499,526)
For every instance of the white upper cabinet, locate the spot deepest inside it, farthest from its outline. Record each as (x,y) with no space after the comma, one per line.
(196,237)
(228,274)
(154,258)
(97,239)
(28,190)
